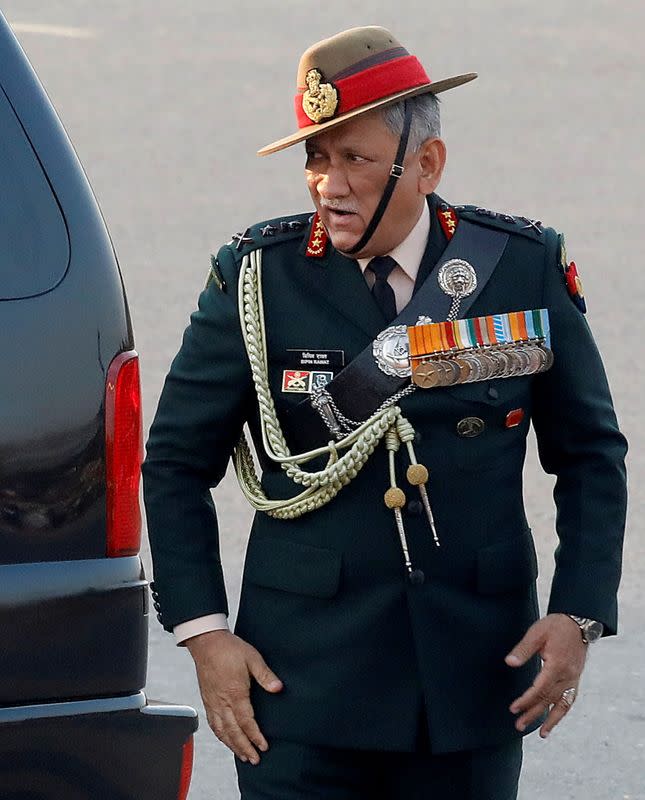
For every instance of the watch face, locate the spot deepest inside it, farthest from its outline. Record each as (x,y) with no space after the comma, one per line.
(592,630)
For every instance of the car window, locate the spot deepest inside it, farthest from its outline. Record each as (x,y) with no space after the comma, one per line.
(34,246)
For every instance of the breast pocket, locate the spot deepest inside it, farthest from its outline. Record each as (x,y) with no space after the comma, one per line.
(488,422)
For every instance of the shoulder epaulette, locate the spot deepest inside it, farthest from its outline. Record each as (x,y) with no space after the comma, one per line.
(269,233)
(511,223)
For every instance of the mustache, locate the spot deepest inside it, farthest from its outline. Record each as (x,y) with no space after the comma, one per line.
(338,205)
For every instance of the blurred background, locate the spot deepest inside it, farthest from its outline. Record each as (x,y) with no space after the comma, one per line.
(167,103)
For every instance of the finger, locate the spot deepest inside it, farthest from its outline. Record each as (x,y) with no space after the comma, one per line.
(526,648)
(236,740)
(557,714)
(246,720)
(543,690)
(529,716)
(267,679)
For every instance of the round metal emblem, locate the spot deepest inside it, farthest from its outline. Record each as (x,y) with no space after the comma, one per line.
(457,278)
(535,359)
(470,427)
(475,364)
(392,351)
(451,372)
(549,358)
(427,375)
(465,368)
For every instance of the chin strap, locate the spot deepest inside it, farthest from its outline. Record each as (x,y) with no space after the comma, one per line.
(395,174)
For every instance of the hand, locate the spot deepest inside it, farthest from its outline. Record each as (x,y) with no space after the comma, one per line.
(224,665)
(558,641)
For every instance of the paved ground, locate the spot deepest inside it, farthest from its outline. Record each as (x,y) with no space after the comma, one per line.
(168,102)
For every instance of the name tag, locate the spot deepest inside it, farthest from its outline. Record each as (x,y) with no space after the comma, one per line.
(316,359)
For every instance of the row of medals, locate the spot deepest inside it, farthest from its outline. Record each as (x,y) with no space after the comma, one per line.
(501,361)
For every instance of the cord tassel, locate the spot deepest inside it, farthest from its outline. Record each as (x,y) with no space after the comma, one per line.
(417,474)
(395,497)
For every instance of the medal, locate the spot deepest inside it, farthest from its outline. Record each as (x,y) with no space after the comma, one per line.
(458,279)
(391,351)
(465,368)
(426,375)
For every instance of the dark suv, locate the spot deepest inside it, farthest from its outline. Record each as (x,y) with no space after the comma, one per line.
(74,721)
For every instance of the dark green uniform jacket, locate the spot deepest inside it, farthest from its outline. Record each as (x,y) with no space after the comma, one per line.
(325,598)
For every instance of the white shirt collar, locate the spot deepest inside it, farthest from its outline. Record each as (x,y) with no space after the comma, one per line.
(409,252)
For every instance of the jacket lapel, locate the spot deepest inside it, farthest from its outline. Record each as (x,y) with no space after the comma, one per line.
(338,283)
(437,243)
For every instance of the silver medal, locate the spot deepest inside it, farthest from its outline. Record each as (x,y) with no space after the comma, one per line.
(458,279)
(392,351)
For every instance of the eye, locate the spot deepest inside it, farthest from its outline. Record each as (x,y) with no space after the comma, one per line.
(355,158)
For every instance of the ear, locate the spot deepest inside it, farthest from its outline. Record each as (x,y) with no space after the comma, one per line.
(431,160)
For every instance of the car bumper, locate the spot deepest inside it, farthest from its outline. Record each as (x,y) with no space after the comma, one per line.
(116,748)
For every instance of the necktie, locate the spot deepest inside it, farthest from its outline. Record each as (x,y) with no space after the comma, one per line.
(383,293)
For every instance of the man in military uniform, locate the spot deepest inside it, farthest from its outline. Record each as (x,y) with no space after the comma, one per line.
(388,353)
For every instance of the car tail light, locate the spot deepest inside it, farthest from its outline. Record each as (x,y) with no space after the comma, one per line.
(186,769)
(123,454)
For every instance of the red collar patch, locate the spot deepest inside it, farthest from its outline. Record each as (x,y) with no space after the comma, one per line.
(318,238)
(448,219)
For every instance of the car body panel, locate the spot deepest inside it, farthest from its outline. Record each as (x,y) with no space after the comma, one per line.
(52,450)
(74,722)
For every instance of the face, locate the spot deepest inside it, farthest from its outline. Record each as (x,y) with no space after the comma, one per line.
(347,169)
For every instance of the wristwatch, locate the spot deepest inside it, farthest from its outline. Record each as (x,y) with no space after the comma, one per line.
(590,629)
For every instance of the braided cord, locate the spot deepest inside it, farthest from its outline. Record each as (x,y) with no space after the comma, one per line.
(320,486)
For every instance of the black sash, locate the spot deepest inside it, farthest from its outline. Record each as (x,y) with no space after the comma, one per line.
(361,387)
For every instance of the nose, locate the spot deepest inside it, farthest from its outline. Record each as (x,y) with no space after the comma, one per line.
(333,183)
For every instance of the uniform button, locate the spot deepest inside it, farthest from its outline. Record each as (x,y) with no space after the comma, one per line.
(417,577)
(152,585)
(493,393)
(159,617)
(156,605)
(470,427)
(414,508)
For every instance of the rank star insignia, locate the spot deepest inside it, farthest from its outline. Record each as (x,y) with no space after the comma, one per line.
(448,220)
(268,230)
(318,238)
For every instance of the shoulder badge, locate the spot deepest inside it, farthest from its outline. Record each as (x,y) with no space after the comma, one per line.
(267,233)
(532,228)
(318,238)
(572,279)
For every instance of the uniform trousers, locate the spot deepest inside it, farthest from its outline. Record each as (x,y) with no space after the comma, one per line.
(296,771)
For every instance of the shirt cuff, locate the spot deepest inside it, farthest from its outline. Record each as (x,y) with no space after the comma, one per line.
(211,622)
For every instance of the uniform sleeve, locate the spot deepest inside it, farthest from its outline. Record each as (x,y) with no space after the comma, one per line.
(205,401)
(579,442)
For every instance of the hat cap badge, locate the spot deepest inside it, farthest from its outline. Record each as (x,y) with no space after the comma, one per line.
(320,100)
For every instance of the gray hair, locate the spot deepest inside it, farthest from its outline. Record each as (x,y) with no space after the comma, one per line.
(426,119)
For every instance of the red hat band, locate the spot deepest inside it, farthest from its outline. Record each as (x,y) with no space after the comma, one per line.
(366,86)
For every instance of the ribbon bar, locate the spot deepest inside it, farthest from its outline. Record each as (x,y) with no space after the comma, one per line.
(515,327)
